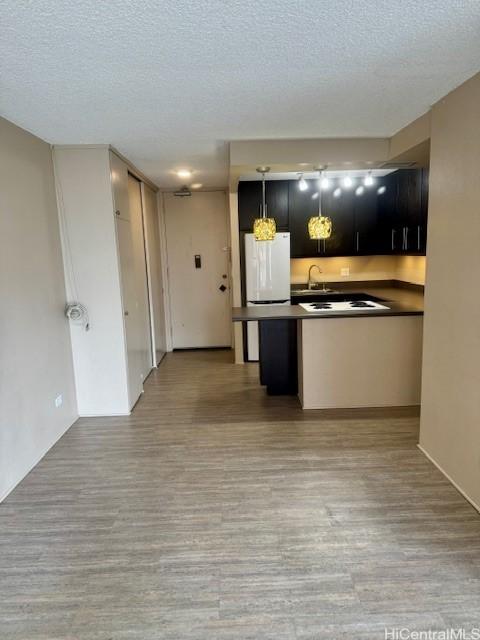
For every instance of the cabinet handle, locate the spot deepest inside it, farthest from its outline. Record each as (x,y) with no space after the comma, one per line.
(418,237)
(117,212)
(406,238)
(324,246)
(393,239)
(358,241)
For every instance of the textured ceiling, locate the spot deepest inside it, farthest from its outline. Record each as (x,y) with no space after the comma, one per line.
(169,82)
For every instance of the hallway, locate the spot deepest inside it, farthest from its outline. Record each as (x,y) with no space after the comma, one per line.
(216,512)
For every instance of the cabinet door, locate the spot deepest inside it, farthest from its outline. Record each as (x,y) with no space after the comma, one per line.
(366,222)
(249,203)
(388,230)
(301,208)
(422,231)
(276,197)
(341,210)
(411,220)
(250,200)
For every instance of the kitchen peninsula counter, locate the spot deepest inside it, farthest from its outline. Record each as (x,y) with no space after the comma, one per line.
(360,358)
(400,300)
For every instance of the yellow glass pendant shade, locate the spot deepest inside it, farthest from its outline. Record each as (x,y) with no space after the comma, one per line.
(320,227)
(264,228)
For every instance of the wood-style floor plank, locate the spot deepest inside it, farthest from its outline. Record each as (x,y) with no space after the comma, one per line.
(217,512)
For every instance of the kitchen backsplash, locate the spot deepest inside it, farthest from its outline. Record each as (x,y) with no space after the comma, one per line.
(406,268)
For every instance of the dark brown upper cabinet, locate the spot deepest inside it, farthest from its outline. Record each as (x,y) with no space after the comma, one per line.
(390,217)
(301,208)
(250,200)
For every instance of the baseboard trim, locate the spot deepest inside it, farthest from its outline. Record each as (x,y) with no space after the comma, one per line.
(32,467)
(457,487)
(105,415)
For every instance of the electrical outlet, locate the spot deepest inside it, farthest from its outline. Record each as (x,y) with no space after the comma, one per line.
(345,271)
(59,401)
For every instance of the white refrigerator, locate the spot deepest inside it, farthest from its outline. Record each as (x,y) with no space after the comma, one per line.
(267,278)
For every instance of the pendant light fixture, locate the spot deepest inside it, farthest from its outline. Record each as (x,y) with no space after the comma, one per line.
(264,228)
(320,227)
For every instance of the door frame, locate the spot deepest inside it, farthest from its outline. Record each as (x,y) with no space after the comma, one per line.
(165,264)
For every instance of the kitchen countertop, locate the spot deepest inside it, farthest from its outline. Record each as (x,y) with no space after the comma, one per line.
(402,301)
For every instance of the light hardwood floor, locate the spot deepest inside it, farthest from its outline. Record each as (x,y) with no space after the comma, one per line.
(215,512)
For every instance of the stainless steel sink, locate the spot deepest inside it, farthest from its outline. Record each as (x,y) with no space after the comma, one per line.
(315,290)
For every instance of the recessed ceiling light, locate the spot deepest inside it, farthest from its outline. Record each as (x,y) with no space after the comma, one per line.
(347,182)
(184,173)
(196,185)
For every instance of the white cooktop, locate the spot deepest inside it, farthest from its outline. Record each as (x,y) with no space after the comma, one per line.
(357,305)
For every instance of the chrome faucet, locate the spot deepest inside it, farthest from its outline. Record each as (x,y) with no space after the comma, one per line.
(310,281)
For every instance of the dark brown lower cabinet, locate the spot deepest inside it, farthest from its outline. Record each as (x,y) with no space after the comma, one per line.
(278,356)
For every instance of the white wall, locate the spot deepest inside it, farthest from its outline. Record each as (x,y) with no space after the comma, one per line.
(85,197)
(35,350)
(450,420)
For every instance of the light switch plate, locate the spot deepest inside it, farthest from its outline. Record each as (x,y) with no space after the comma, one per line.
(345,271)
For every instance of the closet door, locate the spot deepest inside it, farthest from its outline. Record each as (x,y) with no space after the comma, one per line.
(142,315)
(127,276)
(154,271)
(119,176)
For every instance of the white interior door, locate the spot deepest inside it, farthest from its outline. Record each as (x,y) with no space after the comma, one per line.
(198,263)
(143,335)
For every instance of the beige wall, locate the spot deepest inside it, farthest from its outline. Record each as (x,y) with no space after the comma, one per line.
(35,350)
(406,268)
(450,421)
(346,344)
(411,136)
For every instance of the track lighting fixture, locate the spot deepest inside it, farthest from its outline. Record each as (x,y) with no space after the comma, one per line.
(368,182)
(302,183)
